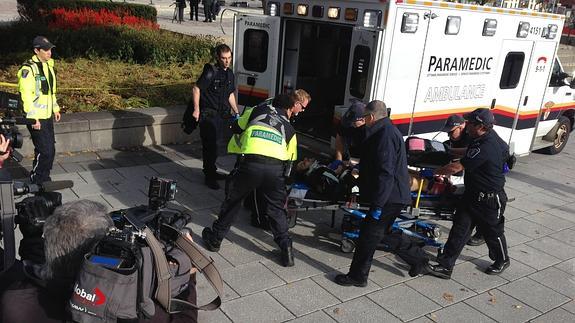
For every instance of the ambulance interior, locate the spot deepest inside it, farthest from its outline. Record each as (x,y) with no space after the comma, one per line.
(315,58)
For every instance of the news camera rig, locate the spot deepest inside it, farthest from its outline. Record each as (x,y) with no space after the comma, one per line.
(10,117)
(31,212)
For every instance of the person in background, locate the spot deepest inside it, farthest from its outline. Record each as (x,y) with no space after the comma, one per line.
(194,7)
(350,133)
(215,105)
(37,85)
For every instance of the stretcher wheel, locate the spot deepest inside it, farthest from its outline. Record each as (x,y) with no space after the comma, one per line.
(347,245)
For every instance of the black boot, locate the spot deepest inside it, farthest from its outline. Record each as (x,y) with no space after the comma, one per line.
(210,240)
(346,280)
(287,256)
(212,183)
(476,240)
(497,267)
(440,271)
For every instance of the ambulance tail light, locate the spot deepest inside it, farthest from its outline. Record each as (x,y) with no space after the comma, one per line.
(409,22)
(273,9)
(489,27)
(371,18)
(551,31)
(302,9)
(523,30)
(452,25)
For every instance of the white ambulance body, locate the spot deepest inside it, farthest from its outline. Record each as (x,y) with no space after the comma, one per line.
(426,60)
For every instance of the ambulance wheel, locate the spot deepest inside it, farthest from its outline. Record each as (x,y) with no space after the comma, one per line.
(347,245)
(561,136)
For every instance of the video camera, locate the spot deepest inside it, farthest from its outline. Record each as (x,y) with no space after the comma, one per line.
(30,213)
(155,216)
(10,116)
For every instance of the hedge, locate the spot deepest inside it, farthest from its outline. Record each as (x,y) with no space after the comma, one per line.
(113,42)
(36,10)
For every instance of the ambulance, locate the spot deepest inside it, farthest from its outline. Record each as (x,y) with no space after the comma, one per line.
(426,60)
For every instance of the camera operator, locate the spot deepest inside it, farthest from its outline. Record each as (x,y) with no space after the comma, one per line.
(69,234)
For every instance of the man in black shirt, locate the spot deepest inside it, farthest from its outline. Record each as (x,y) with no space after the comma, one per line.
(458,141)
(484,199)
(214,103)
(384,185)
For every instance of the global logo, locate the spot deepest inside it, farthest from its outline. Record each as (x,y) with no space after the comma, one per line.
(96,297)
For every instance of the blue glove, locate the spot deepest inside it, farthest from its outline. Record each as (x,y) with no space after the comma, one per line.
(375,213)
(426,173)
(236,117)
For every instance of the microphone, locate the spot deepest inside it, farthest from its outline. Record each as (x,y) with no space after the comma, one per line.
(57,185)
(21,188)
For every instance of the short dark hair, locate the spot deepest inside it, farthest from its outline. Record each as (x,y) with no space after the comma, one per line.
(222,48)
(283,101)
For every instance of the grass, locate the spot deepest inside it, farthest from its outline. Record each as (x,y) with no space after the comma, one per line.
(96,84)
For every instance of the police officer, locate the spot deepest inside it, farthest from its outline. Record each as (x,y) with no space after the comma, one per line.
(384,184)
(213,100)
(458,142)
(484,199)
(37,86)
(268,145)
(350,133)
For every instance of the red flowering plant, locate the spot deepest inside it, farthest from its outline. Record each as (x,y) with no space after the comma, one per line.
(75,19)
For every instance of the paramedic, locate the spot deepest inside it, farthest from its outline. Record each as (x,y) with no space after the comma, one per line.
(458,141)
(350,133)
(214,100)
(256,201)
(51,263)
(37,86)
(268,146)
(484,199)
(384,184)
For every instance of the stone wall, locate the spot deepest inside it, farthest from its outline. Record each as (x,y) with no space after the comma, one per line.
(93,131)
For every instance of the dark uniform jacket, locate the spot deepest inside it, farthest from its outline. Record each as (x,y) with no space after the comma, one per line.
(216,85)
(483,163)
(352,139)
(383,168)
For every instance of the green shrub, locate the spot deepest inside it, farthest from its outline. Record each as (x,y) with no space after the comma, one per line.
(36,10)
(111,42)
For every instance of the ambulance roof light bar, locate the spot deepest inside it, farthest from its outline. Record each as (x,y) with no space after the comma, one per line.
(371,18)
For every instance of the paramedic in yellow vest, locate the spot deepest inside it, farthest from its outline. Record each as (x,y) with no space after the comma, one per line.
(256,201)
(268,146)
(37,86)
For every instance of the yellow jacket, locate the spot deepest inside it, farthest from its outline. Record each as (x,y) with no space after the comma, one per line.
(37,86)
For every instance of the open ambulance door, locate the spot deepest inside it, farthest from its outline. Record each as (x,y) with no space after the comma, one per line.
(510,97)
(363,71)
(256,47)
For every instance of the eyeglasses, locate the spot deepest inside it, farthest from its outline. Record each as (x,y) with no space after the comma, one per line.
(302,106)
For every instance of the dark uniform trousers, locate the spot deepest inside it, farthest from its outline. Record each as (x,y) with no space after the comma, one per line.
(487,214)
(267,177)
(44,151)
(377,232)
(214,132)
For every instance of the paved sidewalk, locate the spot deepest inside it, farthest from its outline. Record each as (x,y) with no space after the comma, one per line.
(540,228)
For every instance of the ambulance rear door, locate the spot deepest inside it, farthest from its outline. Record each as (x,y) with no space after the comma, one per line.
(364,64)
(256,48)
